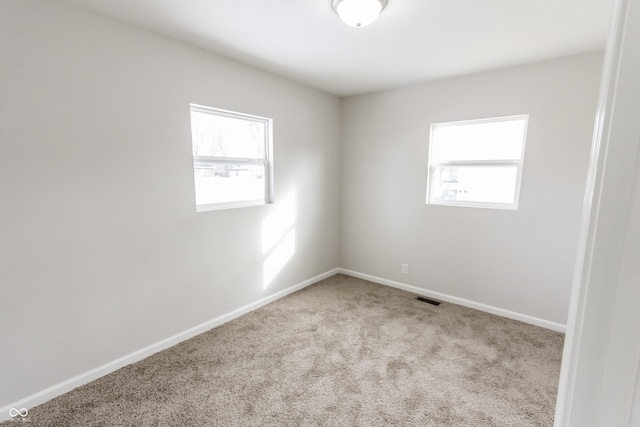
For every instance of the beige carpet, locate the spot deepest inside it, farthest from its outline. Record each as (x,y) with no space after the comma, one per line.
(343,352)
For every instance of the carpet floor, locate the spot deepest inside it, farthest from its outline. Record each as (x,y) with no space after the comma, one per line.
(343,352)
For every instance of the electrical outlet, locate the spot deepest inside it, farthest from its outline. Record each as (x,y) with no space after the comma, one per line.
(405,268)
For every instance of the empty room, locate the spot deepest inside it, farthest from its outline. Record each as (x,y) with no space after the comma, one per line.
(321,212)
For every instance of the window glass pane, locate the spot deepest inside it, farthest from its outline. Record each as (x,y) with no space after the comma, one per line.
(490,140)
(222,136)
(223,183)
(231,158)
(489,184)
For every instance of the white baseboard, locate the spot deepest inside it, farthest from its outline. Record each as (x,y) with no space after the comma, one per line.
(460,301)
(85,378)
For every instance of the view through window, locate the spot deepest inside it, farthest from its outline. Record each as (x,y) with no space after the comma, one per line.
(477,163)
(231,158)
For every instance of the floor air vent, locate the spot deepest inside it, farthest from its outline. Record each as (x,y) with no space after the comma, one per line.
(429,301)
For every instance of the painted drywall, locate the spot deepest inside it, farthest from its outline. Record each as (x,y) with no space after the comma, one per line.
(518,261)
(102,252)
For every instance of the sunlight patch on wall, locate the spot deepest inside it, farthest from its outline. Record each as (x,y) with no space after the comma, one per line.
(278,238)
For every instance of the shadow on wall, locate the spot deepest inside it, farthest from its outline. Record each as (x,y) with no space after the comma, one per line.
(278,239)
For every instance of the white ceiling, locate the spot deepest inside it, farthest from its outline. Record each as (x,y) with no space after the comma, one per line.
(412,40)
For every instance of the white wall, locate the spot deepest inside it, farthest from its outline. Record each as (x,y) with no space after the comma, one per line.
(101,250)
(519,261)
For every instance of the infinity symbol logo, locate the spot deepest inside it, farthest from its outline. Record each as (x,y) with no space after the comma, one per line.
(13,412)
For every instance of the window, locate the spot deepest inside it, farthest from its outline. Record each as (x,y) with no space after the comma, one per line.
(231,159)
(477,163)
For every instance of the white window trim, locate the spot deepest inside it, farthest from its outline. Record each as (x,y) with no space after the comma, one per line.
(519,163)
(229,205)
(267,162)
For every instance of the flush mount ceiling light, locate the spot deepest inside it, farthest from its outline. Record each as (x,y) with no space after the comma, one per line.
(358,13)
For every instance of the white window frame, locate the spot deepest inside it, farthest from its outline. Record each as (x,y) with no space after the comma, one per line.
(266,162)
(433,165)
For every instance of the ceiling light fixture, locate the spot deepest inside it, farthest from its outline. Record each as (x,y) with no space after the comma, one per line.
(358,13)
